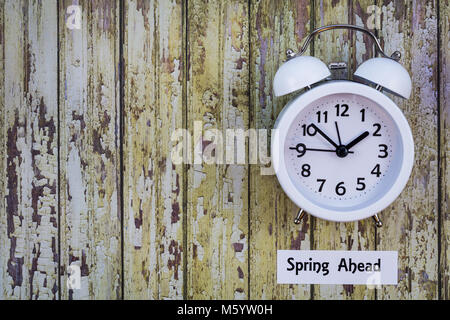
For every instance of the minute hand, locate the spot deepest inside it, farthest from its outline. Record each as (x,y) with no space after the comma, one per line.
(324,135)
(358,139)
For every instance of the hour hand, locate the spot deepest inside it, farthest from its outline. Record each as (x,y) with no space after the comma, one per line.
(357,139)
(324,135)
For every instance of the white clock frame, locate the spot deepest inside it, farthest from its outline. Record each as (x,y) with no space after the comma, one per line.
(296,105)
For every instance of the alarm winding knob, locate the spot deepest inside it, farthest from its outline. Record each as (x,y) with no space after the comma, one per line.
(290,54)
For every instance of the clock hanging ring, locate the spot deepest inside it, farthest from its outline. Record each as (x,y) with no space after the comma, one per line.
(342,150)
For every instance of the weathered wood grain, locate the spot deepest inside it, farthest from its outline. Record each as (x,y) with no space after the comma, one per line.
(30,240)
(337,46)
(153,183)
(275,26)
(410,223)
(90,171)
(217,194)
(444,174)
(223,222)
(3,218)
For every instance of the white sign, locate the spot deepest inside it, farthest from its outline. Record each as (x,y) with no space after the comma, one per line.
(337,267)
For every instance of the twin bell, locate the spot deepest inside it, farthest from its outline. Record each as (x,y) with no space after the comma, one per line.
(299,71)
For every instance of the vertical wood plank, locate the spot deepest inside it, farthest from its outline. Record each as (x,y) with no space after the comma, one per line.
(3,218)
(363,13)
(410,223)
(153,184)
(444,174)
(217,194)
(43,98)
(75,145)
(275,27)
(337,46)
(30,240)
(90,176)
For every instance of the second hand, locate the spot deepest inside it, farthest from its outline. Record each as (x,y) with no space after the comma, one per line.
(338,134)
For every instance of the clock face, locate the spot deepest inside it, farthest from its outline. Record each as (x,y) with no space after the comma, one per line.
(343,151)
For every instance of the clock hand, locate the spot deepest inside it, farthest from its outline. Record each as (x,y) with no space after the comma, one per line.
(358,139)
(324,135)
(324,150)
(301,149)
(337,130)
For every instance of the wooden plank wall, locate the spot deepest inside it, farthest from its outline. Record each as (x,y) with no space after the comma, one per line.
(271,212)
(444,147)
(153,185)
(88,113)
(29,217)
(413,230)
(217,194)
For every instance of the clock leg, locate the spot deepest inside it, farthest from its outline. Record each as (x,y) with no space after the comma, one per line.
(299,216)
(378,222)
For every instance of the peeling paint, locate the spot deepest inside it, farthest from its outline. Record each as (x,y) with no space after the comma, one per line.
(153,93)
(413,216)
(218,92)
(90,160)
(217,195)
(30,258)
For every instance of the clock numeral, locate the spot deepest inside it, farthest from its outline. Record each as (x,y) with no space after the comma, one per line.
(306,170)
(363,115)
(376,170)
(383,149)
(341,110)
(325,116)
(361,184)
(340,189)
(309,130)
(322,182)
(300,148)
(377,130)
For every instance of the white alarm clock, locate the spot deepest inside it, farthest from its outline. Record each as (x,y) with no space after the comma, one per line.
(342,150)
